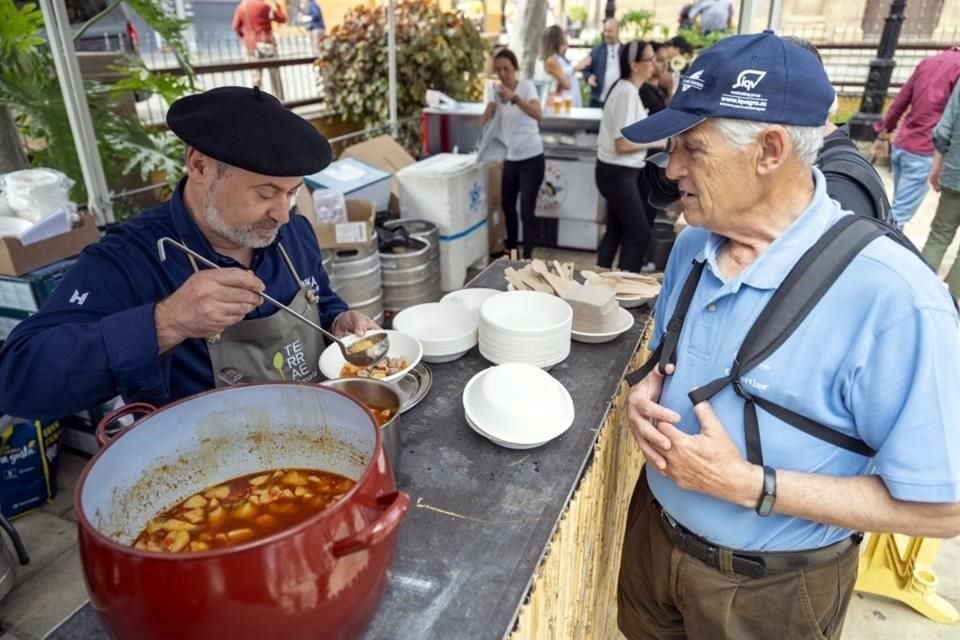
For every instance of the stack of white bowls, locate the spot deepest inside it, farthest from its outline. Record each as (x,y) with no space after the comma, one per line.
(525,326)
(517,406)
(446,331)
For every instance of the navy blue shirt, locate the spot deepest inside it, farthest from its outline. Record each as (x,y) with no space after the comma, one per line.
(96,337)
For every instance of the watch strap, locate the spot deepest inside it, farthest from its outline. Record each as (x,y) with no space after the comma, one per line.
(768,495)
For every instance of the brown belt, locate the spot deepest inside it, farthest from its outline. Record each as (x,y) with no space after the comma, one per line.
(754,564)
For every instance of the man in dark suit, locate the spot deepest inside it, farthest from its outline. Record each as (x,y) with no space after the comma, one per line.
(602,67)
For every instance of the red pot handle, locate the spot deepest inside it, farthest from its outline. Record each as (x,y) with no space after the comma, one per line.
(104,437)
(394,507)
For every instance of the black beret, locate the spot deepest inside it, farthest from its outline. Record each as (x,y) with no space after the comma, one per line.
(250,129)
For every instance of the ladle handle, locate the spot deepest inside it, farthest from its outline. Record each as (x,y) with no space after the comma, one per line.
(213,265)
(15,539)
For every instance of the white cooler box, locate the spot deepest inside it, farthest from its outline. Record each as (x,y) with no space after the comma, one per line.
(449,190)
(569,190)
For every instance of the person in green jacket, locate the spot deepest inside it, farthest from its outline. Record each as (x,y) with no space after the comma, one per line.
(945,178)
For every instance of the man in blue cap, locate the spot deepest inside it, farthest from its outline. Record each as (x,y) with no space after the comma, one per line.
(124,323)
(726,539)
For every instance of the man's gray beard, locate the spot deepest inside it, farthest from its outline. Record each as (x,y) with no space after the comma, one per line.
(245,236)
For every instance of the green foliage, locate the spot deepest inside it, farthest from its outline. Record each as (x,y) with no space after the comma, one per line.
(19,30)
(698,40)
(577,13)
(30,88)
(638,24)
(436,49)
(147,152)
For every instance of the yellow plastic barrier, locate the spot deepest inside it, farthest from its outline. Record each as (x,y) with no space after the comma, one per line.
(901,567)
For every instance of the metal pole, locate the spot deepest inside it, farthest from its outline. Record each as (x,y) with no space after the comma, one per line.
(609,10)
(773,18)
(746,16)
(78,111)
(878,80)
(392,65)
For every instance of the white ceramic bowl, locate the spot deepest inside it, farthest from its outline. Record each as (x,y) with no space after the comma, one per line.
(401,345)
(469,298)
(444,330)
(525,313)
(625,320)
(517,405)
(630,302)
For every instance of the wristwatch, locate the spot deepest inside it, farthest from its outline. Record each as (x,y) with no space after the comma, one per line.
(769,493)
(513,99)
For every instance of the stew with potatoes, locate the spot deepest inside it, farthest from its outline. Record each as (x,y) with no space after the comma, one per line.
(242,509)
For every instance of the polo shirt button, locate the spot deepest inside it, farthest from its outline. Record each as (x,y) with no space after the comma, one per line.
(711,308)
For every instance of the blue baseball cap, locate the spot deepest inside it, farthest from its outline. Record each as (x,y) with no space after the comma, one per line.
(758,77)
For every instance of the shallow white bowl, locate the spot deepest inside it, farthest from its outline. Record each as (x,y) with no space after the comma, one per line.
(526,313)
(630,302)
(469,298)
(518,404)
(401,345)
(625,321)
(442,329)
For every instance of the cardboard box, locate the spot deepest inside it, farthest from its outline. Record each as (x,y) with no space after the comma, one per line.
(356,233)
(386,154)
(356,180)
(16,259)
(496,224)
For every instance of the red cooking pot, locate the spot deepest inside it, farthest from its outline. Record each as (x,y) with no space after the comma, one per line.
(319,579)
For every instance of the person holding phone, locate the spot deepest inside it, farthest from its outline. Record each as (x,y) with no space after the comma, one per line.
(524,167)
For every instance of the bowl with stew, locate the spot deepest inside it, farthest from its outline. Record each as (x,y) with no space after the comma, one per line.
(405,353)
(384,401)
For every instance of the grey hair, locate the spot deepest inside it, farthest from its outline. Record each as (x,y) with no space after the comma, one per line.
(742,133)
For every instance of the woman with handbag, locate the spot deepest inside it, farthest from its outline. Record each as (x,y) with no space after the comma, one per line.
(619,162)
(518,107)
(253,23)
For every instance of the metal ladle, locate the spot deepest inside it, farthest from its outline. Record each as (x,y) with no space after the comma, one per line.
(377,344)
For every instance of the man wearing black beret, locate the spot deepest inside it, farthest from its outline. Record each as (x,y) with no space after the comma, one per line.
(123,322)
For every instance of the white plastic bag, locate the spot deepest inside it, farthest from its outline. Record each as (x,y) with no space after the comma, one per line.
(330,206)
(33,193)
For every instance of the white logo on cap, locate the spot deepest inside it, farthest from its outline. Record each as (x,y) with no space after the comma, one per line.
(692,81)
(748,79)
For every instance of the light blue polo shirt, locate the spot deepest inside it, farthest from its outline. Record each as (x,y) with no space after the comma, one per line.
(878,359)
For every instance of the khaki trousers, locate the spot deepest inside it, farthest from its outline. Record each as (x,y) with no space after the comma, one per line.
(666,594)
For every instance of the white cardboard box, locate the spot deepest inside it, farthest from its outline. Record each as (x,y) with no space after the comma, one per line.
(356,180)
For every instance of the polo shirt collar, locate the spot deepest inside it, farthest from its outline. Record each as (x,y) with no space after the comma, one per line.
(771,267)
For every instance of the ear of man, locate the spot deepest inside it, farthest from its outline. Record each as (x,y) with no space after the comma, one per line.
(775,150)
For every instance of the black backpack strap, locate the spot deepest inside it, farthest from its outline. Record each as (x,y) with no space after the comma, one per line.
(666,351)
(801,290)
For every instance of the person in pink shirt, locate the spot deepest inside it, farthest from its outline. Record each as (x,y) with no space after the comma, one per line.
(253,23)
(925,93)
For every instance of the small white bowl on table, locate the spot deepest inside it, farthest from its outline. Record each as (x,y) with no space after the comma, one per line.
(625,321)
(471,298)
(445,331)
(517,405)
(401,346)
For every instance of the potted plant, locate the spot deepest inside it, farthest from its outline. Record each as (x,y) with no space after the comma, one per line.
(576,17)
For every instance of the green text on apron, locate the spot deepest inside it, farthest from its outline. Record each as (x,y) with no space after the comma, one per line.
(278,347)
